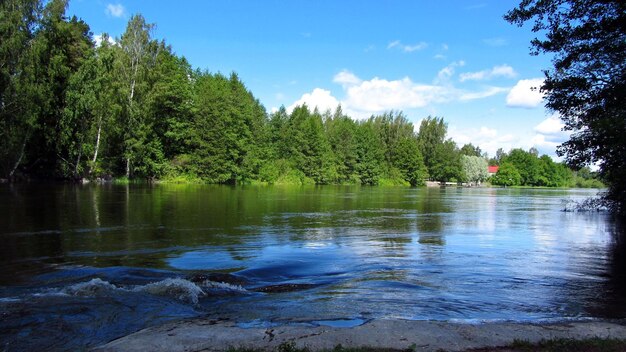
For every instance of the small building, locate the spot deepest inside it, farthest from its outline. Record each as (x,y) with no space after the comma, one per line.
(492,170)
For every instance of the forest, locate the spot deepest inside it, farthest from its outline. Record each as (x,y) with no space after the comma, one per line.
(129,108)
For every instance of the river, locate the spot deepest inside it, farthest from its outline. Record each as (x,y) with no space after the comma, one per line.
(82,265)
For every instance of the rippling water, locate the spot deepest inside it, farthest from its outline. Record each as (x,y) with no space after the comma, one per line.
(81,265)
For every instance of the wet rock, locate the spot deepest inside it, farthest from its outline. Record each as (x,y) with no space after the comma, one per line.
(283,288)
(218,277)
(198,335)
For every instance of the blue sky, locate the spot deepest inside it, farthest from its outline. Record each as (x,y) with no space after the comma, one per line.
(455,59)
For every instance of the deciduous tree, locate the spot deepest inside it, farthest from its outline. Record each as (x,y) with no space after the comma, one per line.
(587,84)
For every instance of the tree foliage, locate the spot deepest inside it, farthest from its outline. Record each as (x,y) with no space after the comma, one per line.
(470,150)
(19,92)
(442,157)
(130,107)
(531,170)
(587,84)
(507,175)
(475,168)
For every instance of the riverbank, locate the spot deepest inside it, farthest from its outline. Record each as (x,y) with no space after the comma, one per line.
(214,335)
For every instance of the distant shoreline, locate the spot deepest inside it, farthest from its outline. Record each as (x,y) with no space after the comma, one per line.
(124,181)
(215,335)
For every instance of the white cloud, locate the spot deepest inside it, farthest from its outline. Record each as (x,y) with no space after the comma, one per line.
(369,48)
(377,95)
(98,39)
(488,92)
(526,94)
(115,10)
(488,139)
(551,130)
(549,135)
(551,125)
(346,78)
(407,48)
(542,143)
(393,44)
(496,42)
(444,75)
(497,71)
(546,137)
(441,56)
(320,98)
(362,98)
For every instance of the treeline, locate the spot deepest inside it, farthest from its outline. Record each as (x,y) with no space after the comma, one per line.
(526,168)
(130,107)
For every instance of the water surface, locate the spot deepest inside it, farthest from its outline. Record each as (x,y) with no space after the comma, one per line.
(81,265)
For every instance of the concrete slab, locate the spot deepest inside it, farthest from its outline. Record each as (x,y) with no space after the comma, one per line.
(211,335)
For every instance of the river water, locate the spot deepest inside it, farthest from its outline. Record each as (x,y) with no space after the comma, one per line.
(82,265)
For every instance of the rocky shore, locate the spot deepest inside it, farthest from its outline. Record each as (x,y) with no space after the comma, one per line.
(216,335)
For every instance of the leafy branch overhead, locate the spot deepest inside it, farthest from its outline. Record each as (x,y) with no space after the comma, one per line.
(587,84)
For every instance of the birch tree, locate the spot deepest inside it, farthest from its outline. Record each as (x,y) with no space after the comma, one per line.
(137,54)
(92,104)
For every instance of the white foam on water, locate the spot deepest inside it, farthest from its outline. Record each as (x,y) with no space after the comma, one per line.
(223,286)
(93,288)
(180,289)
(10,300)
(176,288)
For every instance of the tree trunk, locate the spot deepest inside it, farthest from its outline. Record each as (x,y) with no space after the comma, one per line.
(80,154)
(95,152)
(128,167)
(132,92)
(19,160)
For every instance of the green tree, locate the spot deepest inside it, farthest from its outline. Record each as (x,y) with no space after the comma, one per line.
(170,102)
(62,47)
(587,84)
(92,104)
(553,174)
(226,118)
(408,159)
(370,154)
(137,56)
(475,168)
(18,91)
(527,165)
(341,131)
(317,158)
(471,150)
(507,175)
(431,136)
(392,127)
(446,163)
(500,154)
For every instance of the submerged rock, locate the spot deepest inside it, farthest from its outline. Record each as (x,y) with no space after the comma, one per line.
(283,288)
(218,277)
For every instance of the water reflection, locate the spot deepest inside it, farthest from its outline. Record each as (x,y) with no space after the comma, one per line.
(331,254)
(355,252)
(610,269)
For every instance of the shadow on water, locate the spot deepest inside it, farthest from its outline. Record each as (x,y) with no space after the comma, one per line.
(610,298)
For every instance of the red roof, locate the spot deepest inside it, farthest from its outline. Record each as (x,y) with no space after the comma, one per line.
(493,169)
